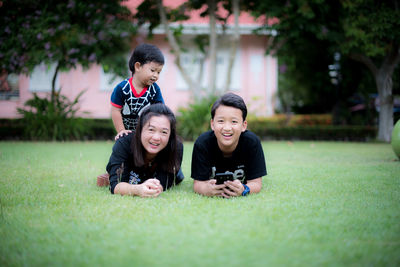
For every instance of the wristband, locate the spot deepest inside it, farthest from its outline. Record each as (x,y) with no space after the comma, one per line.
(246,190)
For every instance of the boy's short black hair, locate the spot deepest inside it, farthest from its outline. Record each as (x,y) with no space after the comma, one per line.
(145,53)
(230,100)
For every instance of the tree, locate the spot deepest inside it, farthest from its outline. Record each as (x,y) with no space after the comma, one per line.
(371,38)
(66,33)
(362,29)
(154,12)
(304,76)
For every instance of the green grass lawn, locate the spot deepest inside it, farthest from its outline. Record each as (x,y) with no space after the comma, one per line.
(322,203)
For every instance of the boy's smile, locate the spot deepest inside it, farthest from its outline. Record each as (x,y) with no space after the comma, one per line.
(228,125)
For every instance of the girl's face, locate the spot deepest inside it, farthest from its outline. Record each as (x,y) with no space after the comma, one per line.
(155,135)
(148,73)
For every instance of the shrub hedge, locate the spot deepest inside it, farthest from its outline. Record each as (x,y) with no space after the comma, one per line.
(103,129)
(308,127)
(280,120)
(54,119)
(11,129)
(95,129)
(324,132)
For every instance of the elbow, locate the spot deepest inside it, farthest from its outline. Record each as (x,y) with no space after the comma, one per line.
(197,187)
(257,189)
(255,185)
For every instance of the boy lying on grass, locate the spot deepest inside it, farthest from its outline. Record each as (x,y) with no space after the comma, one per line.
(228,161)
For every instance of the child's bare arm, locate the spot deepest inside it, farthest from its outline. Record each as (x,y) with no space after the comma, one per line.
(118,123)
(117,119)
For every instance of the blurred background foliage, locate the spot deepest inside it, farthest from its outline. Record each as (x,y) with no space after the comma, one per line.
(64,32)
(323,48)
(195,119)
(57,121)
(337,57)
(67,34)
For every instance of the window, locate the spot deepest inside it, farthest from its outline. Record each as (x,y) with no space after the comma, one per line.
(193,62)
(108,81)
(41,78)
(9,87)
(222,70)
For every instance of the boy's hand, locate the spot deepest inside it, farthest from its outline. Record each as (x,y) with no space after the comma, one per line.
(214,189)
(232,189)
(122,133)
(208,188)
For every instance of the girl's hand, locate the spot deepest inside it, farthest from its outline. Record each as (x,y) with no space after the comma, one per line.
(150,188)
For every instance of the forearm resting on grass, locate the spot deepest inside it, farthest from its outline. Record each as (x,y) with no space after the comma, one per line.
(150,188)
(255,185)
(208,188)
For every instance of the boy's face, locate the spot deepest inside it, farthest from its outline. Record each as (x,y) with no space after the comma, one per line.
(227,125)
(148,73)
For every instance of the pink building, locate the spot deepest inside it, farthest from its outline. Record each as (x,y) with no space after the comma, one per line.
(254,74)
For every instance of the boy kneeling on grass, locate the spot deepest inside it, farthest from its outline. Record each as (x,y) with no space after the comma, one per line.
(228,161)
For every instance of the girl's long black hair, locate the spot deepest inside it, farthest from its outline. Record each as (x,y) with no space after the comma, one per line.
(167,158)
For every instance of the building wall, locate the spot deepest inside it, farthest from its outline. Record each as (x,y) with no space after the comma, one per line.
(258,82)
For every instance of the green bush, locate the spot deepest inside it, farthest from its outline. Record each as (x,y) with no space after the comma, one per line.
(308,127)
(319,132)
(11,129)
(103,129)
(95,129)
(52,120)
(280,120)
(99,129)
(195,119)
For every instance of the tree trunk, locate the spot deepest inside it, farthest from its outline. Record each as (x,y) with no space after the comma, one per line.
(385,87)
(383,80)
(212,70)
(234,44)
(384,84)
(193,86)
(53,83)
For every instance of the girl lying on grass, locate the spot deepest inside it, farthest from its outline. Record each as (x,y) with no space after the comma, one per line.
(146,162)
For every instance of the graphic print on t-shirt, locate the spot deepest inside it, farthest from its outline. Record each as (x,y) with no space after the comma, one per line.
(238,173)
(134,178)
(134,105)
(126,110)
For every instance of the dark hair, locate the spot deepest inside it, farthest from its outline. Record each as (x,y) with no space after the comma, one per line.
(145,53)
(167,158)
(230,100)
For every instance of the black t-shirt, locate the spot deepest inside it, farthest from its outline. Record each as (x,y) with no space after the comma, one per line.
(246,163)
(121,166)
